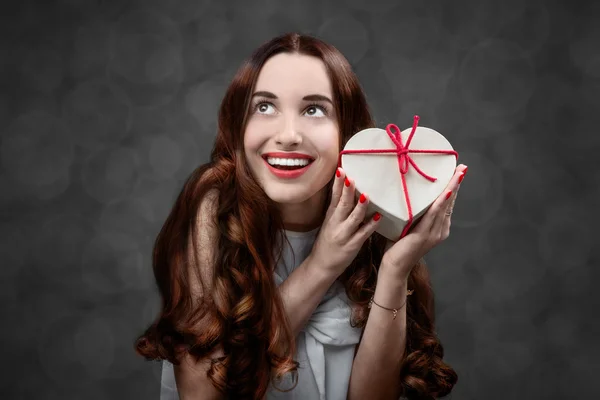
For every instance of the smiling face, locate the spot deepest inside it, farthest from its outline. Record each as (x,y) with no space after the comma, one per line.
(291,141)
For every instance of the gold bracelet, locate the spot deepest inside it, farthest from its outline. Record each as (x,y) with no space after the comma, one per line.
(394,310)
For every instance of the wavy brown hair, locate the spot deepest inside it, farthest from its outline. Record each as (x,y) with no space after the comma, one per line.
(240,308)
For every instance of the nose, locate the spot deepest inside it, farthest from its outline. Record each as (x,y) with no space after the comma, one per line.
(289,135)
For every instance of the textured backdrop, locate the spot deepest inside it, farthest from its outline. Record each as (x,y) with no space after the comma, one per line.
(107,106)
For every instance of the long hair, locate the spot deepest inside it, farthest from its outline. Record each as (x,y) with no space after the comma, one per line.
(243,311)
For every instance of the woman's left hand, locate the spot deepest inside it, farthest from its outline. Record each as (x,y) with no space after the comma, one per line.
(433,228)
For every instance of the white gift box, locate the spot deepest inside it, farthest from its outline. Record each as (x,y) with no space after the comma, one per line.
(390,175)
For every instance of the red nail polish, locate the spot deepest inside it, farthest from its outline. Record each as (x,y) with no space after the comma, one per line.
(460,178)
(347,183)
(376,217)
(465,171)
(448,195)
(338,173)
(363,198)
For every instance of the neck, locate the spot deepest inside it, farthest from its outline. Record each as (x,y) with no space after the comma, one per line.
(304,216)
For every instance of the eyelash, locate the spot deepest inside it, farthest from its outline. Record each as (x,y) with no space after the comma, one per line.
(323,108)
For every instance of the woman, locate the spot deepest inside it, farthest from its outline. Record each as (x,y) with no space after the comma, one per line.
(267,263)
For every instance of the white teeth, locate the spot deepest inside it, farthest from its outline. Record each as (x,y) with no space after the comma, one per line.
(288,161)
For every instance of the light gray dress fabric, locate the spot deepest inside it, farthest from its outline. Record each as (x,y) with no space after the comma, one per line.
(324,348)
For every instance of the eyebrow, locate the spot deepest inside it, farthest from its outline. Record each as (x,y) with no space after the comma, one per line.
(310,97)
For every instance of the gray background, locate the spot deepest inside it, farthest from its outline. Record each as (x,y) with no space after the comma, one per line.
(106,107)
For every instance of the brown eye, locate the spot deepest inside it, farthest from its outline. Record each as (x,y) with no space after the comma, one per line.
(314,110)
(265,108)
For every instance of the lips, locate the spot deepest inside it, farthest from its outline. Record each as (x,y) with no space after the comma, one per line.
(288,173)
(287,155)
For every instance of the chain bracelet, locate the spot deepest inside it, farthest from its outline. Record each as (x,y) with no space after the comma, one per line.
(394,310)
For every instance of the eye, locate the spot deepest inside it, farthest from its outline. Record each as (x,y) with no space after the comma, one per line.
(265,108)
(314,109)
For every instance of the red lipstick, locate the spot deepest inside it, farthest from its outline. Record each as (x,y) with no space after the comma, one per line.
(287,155)
(283,173)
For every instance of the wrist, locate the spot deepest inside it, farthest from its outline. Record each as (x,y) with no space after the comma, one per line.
(391,281)
(319,270)
(396,274)
(391,290)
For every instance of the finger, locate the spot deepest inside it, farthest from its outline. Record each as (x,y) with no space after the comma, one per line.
(445,203)
(444,200)
(430,217)
(357,215)
(365,231)
(347,200)
(436,213)
(450,208)
(462,176)
(447,220)
(338,185)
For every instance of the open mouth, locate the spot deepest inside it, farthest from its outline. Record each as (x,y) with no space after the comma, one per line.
(288,164)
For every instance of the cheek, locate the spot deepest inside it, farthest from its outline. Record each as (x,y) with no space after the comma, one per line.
(252,138)
(327,144)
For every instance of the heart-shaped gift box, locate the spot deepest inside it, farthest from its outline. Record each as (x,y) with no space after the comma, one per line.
(401,172)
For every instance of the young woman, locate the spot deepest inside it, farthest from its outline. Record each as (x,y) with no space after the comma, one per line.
(267,263)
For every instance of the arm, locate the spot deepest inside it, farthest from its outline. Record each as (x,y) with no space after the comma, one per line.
(376,367)
(377,363)
(342,234)
(303,290)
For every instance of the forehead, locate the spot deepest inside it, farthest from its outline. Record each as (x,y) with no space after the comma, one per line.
(294,74)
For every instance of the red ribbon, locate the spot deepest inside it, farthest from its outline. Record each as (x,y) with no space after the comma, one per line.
(404,160)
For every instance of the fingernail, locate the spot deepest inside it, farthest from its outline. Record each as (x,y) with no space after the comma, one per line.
(460,178)
(363,198)
(376,217)
(448,195)
(347,183)
(338,173)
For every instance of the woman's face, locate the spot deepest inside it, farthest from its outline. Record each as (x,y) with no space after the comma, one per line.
(291,140)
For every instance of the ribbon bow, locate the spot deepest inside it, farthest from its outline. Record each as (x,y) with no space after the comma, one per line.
(402,151)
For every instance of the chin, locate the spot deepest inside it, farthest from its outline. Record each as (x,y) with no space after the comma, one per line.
(289,195)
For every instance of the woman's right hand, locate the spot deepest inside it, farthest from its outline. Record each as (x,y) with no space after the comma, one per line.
(343,233)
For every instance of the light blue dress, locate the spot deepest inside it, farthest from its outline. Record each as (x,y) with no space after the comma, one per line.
(325,347)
